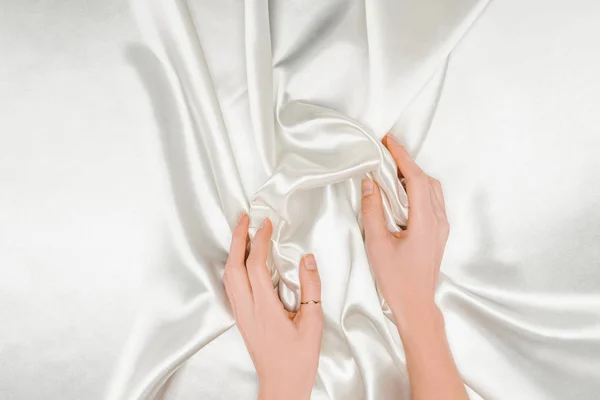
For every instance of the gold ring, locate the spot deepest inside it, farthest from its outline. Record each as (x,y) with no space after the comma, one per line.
(311,302)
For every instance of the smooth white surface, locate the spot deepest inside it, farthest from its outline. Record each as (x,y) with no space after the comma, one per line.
(95,269)
(79,216)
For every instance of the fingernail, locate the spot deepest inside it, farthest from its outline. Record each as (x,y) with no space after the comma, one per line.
(240,217)
(263,223)
(392,138)
(310,263)
(367,187)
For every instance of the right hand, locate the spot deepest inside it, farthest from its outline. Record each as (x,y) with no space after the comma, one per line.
(407,264)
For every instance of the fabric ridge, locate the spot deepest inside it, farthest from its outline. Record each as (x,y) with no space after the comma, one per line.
(310,139)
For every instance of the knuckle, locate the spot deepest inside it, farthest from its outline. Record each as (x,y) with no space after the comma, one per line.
(365,205)
(313,284)
(226,278)
(369,210)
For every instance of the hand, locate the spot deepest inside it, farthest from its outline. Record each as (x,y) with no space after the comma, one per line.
(284,347)
(407,264)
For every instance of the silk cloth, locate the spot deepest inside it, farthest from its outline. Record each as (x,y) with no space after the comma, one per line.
(131,138)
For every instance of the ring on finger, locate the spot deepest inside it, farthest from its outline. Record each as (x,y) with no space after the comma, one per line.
(311,302)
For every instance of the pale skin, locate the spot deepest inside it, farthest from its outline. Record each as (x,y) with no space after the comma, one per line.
(406,266)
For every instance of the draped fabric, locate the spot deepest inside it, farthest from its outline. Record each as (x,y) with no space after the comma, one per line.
(269,120)
(118,226)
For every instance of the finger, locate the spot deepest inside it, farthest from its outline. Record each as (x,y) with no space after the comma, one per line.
(408,168)
(239,240)
(372,211)
(260,278)
(439,194)
(230,296)
(416,184)
(235,278)
(435,202)
(310,316)
(239,293)
(436,188)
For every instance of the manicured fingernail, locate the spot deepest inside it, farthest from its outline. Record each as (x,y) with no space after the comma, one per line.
(310,263)
(367,187)
(241,216)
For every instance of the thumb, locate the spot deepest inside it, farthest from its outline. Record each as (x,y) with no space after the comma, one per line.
(372,210)
(310,316)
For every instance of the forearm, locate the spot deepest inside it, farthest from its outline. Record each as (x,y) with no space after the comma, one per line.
(432,372)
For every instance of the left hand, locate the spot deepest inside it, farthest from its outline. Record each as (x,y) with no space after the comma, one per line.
(284,347)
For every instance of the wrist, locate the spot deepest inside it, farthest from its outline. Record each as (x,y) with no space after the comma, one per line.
(281,396)
(273,392)
(266,394)
(418,318)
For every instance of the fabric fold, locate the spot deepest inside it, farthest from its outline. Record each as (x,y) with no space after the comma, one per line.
(316,136)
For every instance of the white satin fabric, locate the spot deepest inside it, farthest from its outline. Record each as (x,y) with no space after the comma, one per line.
(126,156)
